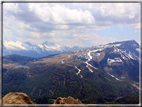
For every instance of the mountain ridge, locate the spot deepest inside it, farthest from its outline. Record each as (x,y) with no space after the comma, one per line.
(95,74)
(34,50)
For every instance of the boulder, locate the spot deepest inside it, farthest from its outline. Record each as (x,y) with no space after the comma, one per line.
(68,100)
(17,98)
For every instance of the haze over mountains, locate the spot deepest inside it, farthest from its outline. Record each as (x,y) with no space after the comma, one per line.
(34,50)
(97,74)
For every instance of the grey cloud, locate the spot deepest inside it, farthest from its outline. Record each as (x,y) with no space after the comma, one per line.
(118,17)
(26,15)
(42,26)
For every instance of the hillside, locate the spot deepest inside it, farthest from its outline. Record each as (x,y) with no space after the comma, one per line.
(97,74)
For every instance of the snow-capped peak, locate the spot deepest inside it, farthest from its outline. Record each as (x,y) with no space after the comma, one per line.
(11,45)
(48,43)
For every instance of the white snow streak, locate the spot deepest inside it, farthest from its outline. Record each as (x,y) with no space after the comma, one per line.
(78,72)
(62,62)
(130,56)
(138,49)
(90,65)
(90,57)
(89,68)
(113,76)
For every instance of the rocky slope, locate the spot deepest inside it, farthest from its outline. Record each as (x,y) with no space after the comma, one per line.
(17,98)
(69,100)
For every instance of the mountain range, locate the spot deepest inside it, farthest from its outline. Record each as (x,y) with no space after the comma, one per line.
(34,50)
(97,74)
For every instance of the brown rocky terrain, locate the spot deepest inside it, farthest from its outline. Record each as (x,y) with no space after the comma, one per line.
(17,98)
(22,98)
(69,100)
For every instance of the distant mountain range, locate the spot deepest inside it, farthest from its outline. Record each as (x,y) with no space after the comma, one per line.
(97,74)
(34,50)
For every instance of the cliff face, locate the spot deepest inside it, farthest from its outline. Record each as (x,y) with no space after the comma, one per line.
(17,98)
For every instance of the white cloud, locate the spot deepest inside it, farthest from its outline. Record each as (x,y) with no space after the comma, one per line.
(67,24)
(22,25)
(91,39)
(62,26)
(35,34)
(57,14)
(135,26)
(119,10)
(13,7)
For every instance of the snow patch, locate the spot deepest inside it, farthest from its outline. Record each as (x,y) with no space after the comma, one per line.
(114,60)
(90,58)
(116,45)
(89,68)
(113,76)
(138,49)
(14,45)
(90,65)
(131,56)
(98,54)
(62,62)
(78,71)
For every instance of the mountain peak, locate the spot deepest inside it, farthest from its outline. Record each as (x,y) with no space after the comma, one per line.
(127,41)
(48,43)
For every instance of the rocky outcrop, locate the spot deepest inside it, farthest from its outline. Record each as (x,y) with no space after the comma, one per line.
(17,98)
(68,100)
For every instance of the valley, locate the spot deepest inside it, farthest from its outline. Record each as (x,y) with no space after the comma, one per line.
(98,74)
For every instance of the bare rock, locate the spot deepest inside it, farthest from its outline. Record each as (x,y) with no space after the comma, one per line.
(17,98)
(68,100)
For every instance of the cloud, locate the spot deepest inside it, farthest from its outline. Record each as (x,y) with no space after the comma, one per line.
(35,34)
(91,39)
(67,23)
(57,14)
(119,12)
(12,7)
(135,26)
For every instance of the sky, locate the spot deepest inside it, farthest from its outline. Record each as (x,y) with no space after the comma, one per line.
(71,24)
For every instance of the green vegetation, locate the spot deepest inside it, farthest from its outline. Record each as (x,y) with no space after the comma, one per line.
(42,100)
(129,100)
(18,59)
(61,81)
(125,100)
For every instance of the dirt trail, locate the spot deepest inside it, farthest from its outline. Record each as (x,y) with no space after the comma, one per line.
(135,86)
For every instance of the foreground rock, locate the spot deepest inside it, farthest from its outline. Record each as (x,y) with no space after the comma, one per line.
(68,100)
(17,98)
